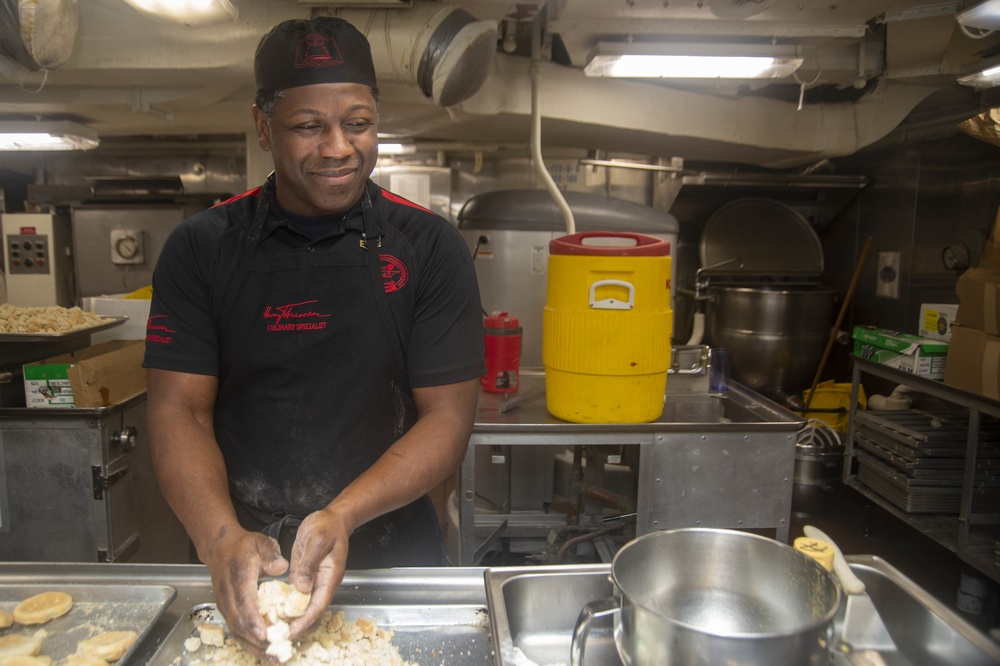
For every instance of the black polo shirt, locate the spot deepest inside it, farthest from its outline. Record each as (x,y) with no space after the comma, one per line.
(316,347)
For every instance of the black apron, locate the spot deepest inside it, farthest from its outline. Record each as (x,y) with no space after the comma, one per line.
(313,387)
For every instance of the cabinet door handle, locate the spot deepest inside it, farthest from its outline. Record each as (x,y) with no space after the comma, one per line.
(125,439)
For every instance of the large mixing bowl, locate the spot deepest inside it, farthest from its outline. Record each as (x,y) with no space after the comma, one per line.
(777,334)
(705,597)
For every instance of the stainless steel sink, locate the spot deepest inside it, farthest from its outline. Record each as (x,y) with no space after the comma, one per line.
(925,631)
(533,611)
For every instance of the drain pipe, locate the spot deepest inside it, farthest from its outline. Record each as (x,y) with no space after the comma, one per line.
(536,130)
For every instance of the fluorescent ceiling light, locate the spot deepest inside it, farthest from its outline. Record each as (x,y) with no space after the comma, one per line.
(390,148)
(188,12)
(985,15)
(58,135)
(985,74)
(689,61)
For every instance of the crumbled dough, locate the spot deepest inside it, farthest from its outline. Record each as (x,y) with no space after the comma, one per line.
(49,319)
(279,644)
(334,642)
(212,634)
(192,644)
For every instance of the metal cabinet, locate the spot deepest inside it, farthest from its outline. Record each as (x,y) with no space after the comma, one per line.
(77,485)
(733,469)
(973,535)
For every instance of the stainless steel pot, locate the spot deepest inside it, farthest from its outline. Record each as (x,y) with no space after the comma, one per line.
(704,597)
(777,335)
(816,483)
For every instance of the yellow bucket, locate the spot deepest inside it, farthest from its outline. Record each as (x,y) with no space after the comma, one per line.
(832,400)
(606,327)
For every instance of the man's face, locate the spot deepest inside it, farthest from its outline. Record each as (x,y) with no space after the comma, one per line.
(324,142)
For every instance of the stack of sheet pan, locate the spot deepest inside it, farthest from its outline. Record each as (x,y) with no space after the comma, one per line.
(915,459)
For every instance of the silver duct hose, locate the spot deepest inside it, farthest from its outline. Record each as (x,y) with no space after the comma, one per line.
(442,50)
(37,35)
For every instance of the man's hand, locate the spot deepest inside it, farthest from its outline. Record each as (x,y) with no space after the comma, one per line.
(319,557)
(237,562)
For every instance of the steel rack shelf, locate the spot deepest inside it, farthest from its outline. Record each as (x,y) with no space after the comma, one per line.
(973,536)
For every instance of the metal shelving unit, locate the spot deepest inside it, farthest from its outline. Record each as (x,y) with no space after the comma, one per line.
(973,536)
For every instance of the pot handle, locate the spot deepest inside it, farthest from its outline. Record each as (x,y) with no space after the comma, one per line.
(594,609)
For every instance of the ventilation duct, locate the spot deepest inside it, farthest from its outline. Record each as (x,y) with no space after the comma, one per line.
(443,50)
(37,34)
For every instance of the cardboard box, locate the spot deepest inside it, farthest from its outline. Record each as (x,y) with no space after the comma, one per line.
(936,320)
(920,356)
(97,376)
(979,300)
(974,362)
(990,259)
(137,311)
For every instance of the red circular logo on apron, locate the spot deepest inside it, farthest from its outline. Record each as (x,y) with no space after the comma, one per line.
(394,273)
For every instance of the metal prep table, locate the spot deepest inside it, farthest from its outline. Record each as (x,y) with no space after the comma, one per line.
(533,608)
(77,485)
(437,603)
(736,472)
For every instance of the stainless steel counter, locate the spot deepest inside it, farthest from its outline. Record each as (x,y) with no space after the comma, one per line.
(531,608)
(429,589)
(711,459)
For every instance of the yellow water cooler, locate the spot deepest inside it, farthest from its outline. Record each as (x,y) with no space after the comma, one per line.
(607,327)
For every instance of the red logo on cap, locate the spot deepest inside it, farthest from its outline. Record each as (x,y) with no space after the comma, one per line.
(316,50)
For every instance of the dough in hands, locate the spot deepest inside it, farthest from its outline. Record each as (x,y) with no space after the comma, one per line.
(109,646)
(277,600)
(19,645)
(43,607)
(6,619)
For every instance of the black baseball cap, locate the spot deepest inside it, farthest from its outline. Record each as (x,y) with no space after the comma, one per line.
(301,52)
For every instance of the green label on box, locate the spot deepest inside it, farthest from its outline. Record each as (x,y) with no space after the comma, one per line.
(47,385)
(47,372)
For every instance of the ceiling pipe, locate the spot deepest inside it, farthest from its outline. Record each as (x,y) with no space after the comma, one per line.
(443,50)
(536,131)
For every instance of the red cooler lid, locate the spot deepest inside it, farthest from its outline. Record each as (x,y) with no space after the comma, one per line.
(501,320)
(634,245)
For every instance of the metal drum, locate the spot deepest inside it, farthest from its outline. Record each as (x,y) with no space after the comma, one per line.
(777,334)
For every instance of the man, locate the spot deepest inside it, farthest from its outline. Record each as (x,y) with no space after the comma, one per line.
(313,348)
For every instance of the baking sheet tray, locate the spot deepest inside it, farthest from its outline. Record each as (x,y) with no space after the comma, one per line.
(96,609)
(427,635)
(109,322)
